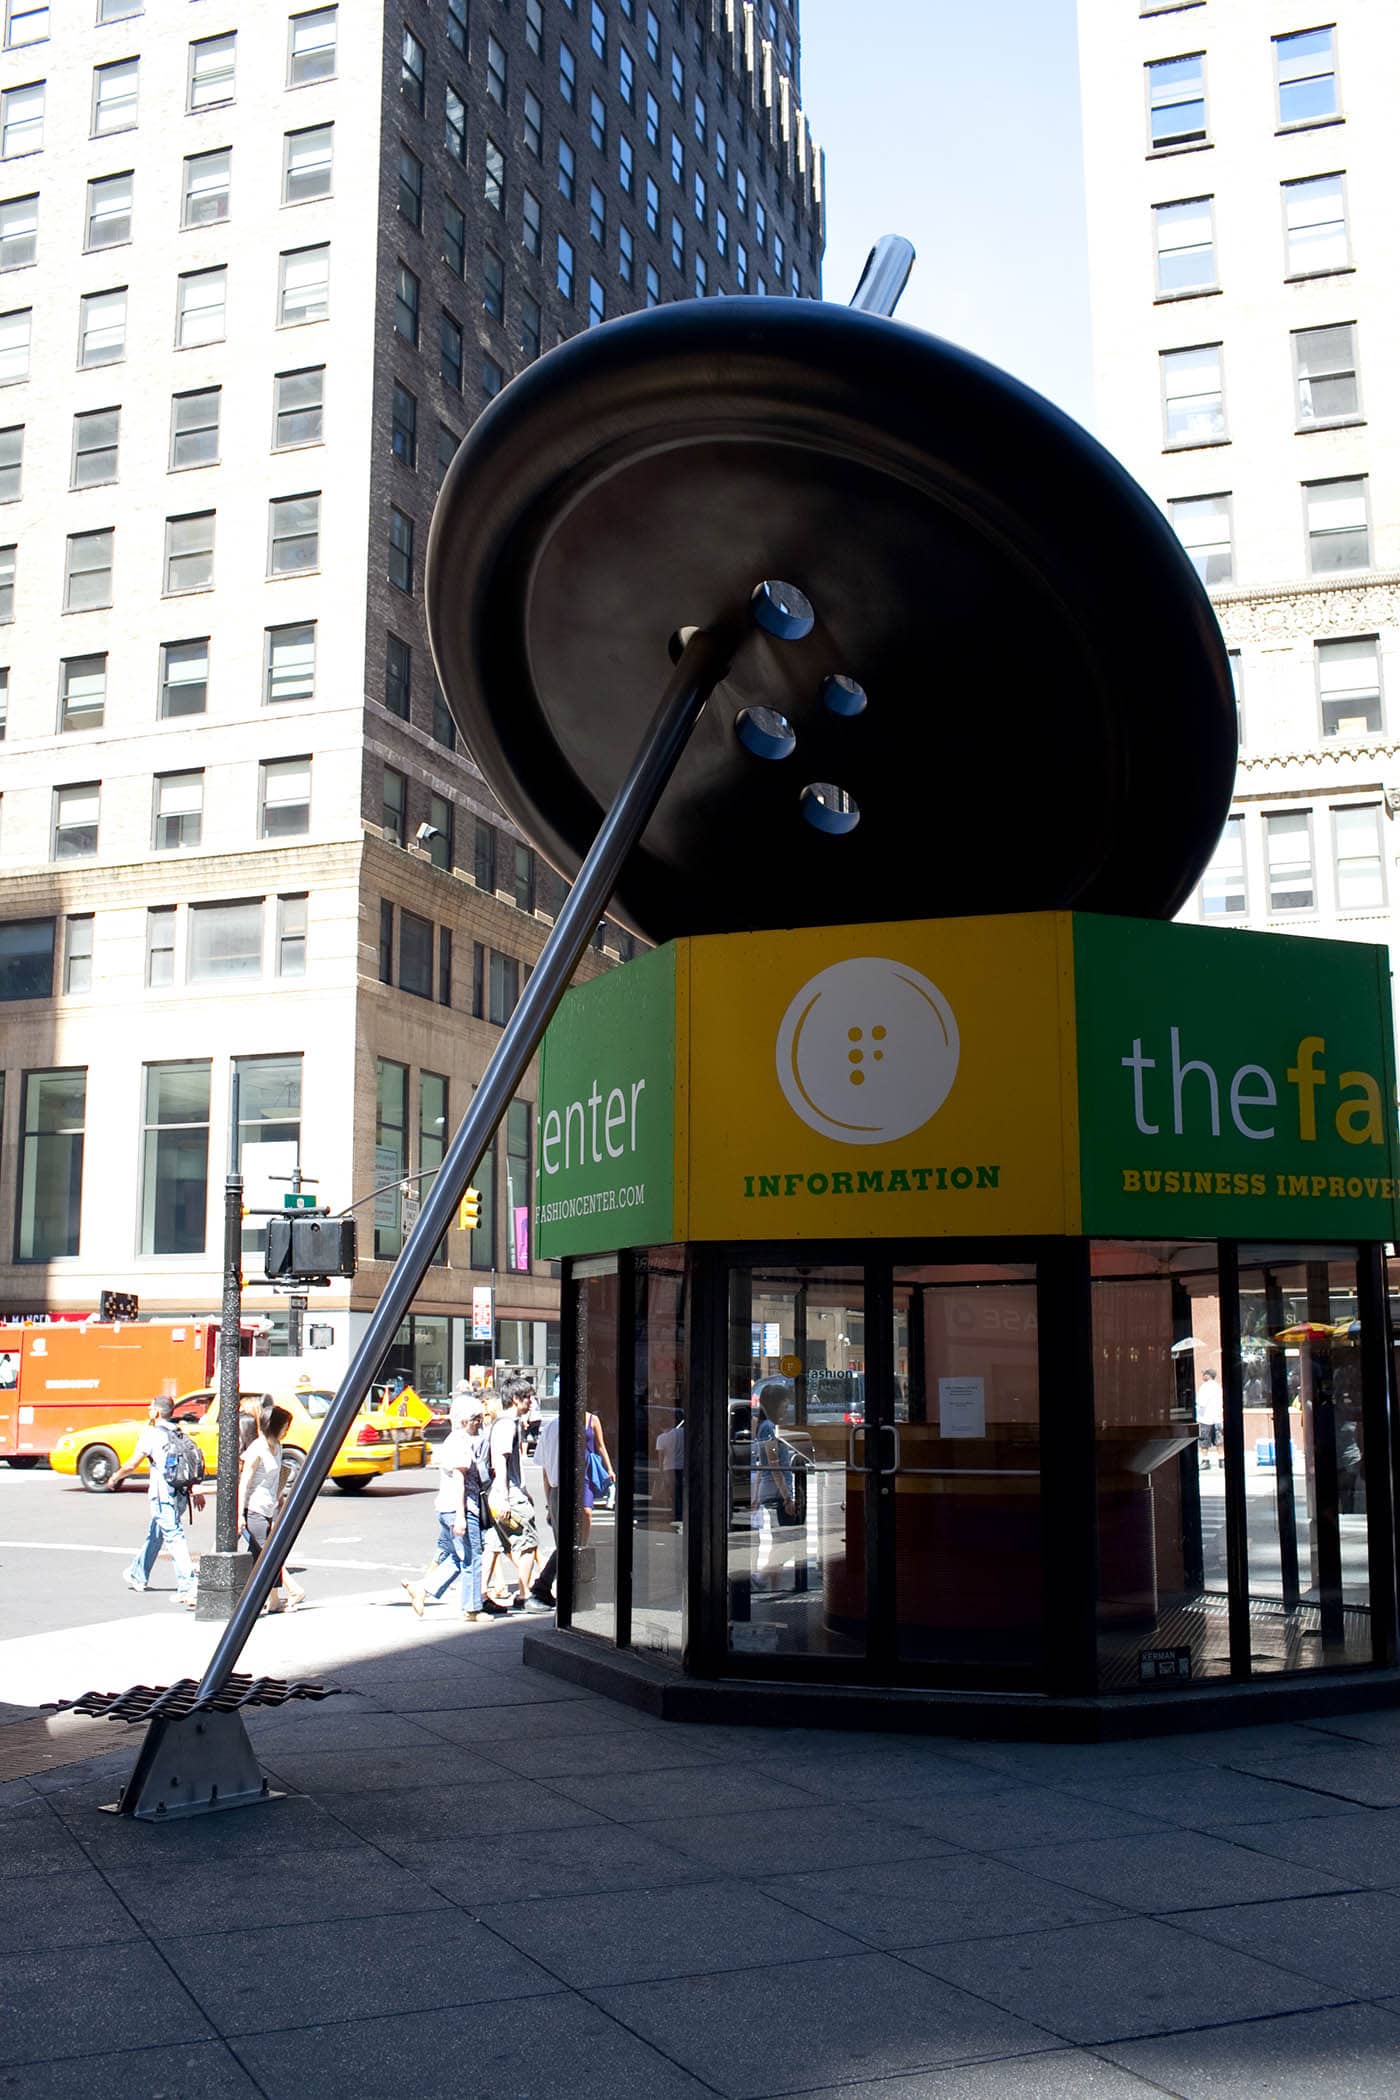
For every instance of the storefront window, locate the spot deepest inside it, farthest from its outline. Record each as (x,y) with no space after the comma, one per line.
(597,1307)
(659,1434)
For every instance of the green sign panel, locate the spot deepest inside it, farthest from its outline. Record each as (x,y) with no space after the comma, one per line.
(606,1165)
(1233,1084)
(292,1201)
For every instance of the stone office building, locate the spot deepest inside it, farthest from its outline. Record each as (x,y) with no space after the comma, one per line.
(259,268)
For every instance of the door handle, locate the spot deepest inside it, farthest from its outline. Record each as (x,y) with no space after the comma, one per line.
(889,1429)
(858,1430)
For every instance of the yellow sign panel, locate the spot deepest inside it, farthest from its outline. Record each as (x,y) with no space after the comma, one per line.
(872,1080)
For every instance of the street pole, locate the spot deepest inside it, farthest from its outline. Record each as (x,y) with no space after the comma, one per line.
(296,1303)
(223,1572)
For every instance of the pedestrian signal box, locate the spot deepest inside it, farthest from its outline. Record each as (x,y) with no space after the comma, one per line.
(118,1305)
(301,1249)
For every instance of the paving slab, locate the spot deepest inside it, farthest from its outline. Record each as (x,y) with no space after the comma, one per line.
(574,1718)
(879,1776)
(54,2007)
(1351,1942)
(420,1813)
(1221,1746)
(1016,1816)
(584,1859)
(1351,1772)
(34,1839)
(188,2071)
(1198,1797)
(808,2023)
(263,1830)
(1070,2074)
(544,2049)
(624,1750)
(329,1772)
(1172,1870)
(1382,1728)
(1360,1846)
(335,1725)
(814,1836)
(1350,2053)
(1136,1976)
(912,1903)
(643,1797)
(303,1975)
(294,1889)
(70,1908)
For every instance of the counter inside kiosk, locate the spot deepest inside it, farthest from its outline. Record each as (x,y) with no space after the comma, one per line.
(1037,1380)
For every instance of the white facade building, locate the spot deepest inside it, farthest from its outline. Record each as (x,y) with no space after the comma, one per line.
(260,265)
(1242,167)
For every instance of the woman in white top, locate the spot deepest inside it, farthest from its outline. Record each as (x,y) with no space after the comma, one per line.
(260,1493)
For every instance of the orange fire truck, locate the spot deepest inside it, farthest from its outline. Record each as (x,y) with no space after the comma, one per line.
(60,1375)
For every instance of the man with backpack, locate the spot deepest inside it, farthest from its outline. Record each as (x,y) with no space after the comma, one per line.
(176,1469)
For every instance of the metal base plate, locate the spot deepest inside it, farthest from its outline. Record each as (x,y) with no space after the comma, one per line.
(190,1766)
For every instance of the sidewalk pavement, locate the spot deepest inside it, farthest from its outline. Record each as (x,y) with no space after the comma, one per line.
(486,1884)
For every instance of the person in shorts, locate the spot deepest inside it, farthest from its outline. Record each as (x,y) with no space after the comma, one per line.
(1210,1420)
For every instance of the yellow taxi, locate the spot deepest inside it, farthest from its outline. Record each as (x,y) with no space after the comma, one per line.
(377,1443)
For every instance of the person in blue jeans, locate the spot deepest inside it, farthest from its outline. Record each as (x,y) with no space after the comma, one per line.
(168,1508)
(459,1518)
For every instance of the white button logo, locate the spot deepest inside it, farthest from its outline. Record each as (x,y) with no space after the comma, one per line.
(867,1051)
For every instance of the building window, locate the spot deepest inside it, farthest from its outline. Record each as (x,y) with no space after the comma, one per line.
(568,75)
(597,214)
(415,955)
(194,428)
(114,98)
(495,179)
(529,326)
(626,77)
(1324,372)
(269,1115)
(522,887)
(497,73)
(741,192)
(294,534)
(189,552)
(531,224)
(493,285)
(201,308)
(678,79)
(205,196)
(211,71)
(741,266)
(484,858)
(26,958)
(1203,527)
(1338,535)
(77,952)
(82,692)
(1315,226)
(394,806)
(444,728)
(598,31)
(109,211)
(677,243)
(702,277)
(677,161)
(625,254)
(534,28)
(19,232)
(386,941)
(304,288)
(311,47)
(481,1246)
(53,1108)
(564,270)
(457,25)
(101,328)
(432,1138)
(390,1154)
(722,231)
(1223,892)
(444,976)
(1305,67)
(566,171)
(454,237)
(76,811)
(175,1159)
(289,665)
(87,577)
(699,119)
(410,187)
(403,426)
(398,676)
(626,167)
(160,946)
(1349,687)
(533,129)
(1360,869)
(518,1186)
(651,121)
(596,306)
(413,72)
(284,798)
(306,164)
(1289,860)
(15,331)
(7,584)
(1193,397)
(298,407)
(26,22)
(400,549)
(597,122)
(179,811)
(721,157)
(1184,235)
(1176,101)
(292,935)
(225,940)
(406,303)
(503,992)
(454,125)
(450,352)
(653,31)
(653,285)
(22,118)
(700,200)
(11,463)
(184,678)
(492,379)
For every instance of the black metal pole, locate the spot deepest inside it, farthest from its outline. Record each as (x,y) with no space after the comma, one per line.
(703,663)
(226,1479)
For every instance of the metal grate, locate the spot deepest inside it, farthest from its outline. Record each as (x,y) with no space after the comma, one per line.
(148,1702)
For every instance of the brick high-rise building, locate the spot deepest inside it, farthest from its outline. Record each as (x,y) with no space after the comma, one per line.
(260,266)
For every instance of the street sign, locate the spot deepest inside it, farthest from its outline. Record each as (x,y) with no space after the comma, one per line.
(483,1312)
(411,1208)
(291,1201)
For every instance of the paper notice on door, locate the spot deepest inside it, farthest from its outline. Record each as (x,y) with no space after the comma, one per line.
(962,1407)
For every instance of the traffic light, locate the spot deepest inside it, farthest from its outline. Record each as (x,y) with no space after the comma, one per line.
(469,1211)
(118,1305)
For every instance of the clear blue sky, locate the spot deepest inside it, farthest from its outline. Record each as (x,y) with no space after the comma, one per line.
(958,125)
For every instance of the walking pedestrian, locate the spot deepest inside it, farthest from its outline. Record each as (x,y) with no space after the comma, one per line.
(547,1458)
(509,1507)
(459,1550)
(167,1503)
(260,1494)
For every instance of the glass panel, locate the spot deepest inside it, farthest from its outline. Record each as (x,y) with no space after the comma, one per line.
(175,1165)
(51,1164)
(1162,1612)
(964,1455)
(796,1503)
(595,1538)
(659,1403)
(1304,1447)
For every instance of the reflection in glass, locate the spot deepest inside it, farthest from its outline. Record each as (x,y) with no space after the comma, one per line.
(595,1515)
(659,1442)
